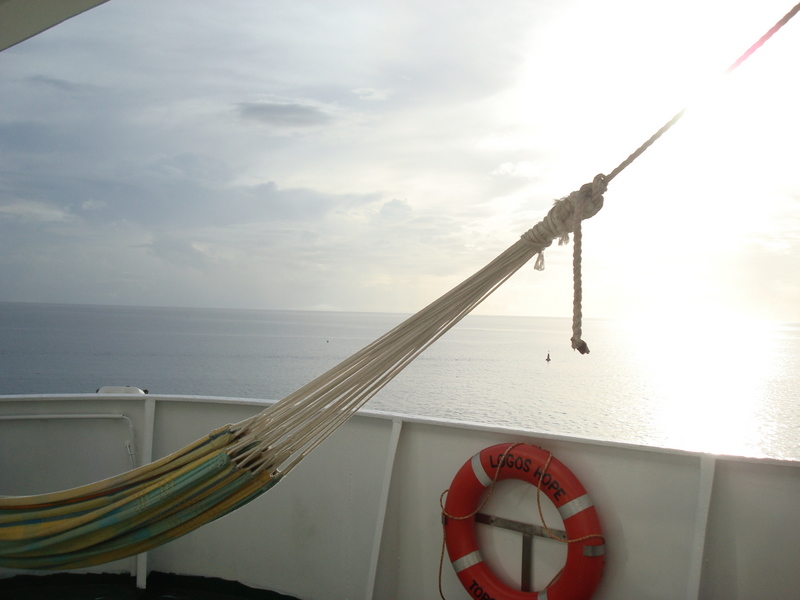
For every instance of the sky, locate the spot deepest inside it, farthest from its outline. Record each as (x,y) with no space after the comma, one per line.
(369,156)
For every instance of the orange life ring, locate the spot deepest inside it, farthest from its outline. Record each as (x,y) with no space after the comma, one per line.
(586,551)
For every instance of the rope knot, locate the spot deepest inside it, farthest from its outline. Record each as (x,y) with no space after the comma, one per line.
(564,218)
(589,199)
(560,221)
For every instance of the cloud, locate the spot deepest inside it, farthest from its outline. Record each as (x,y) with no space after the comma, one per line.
(267,202)
(180,251)
(28,137)
(369,93)
(62,85)
(29,211)
(522,169)
(93,204)
(284,115)
(396,210)
(192,166)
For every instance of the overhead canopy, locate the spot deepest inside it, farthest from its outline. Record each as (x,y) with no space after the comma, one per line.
(23,19)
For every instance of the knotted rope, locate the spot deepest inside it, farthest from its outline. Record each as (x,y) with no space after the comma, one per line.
(564,218)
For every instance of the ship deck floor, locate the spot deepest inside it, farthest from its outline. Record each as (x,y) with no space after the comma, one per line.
(160,586)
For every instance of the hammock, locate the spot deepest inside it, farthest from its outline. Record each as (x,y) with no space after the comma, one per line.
(156,503)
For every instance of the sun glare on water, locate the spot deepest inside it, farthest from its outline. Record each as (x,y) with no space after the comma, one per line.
(707,378)
(710,362)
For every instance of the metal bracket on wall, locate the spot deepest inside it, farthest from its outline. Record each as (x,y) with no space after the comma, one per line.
(528,532)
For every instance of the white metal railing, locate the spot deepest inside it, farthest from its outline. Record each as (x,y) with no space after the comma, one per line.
(129,443)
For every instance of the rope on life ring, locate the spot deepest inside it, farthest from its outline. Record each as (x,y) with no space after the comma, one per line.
(579,577)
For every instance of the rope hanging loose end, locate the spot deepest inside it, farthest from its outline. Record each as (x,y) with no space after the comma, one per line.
(588,201)
(579,345)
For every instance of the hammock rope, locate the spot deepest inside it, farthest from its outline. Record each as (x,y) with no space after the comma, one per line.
(276,439)
(159,502)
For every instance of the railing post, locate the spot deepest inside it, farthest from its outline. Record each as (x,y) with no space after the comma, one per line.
(146,458)
(707,465)
(391,453)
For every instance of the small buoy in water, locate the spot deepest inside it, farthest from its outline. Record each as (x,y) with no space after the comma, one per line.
(548,357)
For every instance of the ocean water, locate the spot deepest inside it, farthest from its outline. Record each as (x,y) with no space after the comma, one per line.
(734,390)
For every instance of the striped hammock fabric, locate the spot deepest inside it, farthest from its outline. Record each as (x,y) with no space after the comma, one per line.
(129,513)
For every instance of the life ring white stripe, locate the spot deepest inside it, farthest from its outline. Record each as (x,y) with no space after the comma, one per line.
(480,472)
(467,561)
(573,507)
